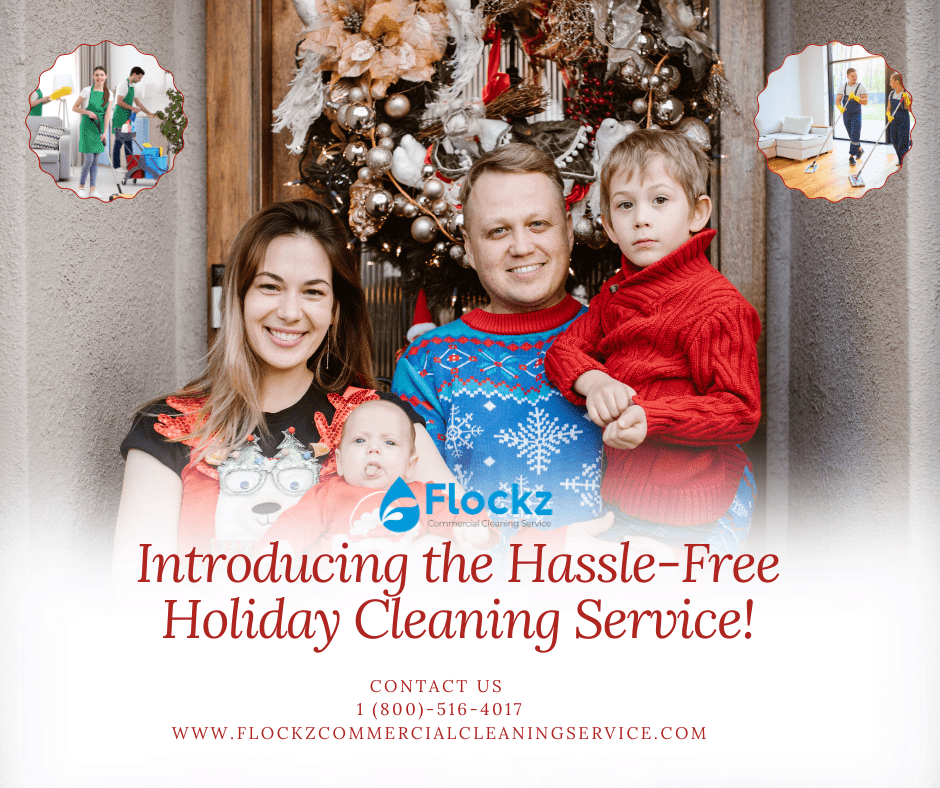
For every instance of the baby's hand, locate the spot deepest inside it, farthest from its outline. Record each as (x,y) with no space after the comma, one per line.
(605,397)
(628,431)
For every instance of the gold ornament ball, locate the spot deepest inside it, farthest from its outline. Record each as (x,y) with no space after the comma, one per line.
(397,106)
(356,95)
(378,203)
(410,210)
(365,175)
(440,207)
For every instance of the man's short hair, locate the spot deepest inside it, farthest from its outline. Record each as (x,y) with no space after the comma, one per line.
(683,159)
(518,158)
(850,71)
(137,70)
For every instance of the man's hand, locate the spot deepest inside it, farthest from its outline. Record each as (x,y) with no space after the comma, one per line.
(853,97)
(628,431)
(605,397)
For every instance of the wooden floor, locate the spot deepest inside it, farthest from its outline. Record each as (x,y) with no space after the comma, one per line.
(831,179)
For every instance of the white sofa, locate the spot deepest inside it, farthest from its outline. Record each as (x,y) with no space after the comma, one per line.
(56,162)
(792,138)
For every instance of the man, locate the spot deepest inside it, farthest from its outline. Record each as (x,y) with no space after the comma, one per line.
(123,110)
(479,381)
(852,98)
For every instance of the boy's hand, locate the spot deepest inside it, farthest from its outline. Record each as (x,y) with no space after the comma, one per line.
(627,432)
(605,397)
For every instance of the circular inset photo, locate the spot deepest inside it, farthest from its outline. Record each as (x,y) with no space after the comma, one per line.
(834,121)
(106,121)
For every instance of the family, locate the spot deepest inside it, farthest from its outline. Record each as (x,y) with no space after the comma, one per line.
(659,375)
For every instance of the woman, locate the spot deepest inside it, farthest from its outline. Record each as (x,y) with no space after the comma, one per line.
(92,133)
(214,465)
(899,114)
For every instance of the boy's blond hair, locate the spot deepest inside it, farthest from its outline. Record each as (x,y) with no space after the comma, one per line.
(683,159)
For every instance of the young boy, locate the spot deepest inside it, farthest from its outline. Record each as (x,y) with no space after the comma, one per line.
(377,447)
(665,360)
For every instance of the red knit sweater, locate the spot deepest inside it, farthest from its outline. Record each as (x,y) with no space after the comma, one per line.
(685,339)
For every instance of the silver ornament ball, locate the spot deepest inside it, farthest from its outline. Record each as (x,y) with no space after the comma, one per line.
(397,106)
(410,210)
(645,43)
(398,204)
(365,175)
(359,117)
(671,75)
(669,111)
(423,229)
(355,152)
(433,189)
(383,130)
(457,253)
(455,224)
(378,203)
(629,72)
(387,142)
(427,171)
(583,230)
(440,247)
(643,83)
(639,105)
(440,207)
(356,95)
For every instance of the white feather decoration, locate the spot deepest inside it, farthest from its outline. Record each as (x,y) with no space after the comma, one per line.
(466,28)
(303,103)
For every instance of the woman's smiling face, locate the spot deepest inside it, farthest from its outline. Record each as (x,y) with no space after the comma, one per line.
(100,77)
(288,307)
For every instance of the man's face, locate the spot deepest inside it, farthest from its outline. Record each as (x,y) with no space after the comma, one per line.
(852,77)
(135,78)
(518,240)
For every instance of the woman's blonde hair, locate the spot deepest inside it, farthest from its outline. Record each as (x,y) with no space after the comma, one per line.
(232,379)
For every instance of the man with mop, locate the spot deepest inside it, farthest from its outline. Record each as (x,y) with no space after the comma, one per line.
(853,96)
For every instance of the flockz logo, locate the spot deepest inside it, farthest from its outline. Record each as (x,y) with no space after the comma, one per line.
(404,518)
(500,502)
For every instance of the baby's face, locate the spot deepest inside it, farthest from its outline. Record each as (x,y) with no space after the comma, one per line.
(650,216)
(376,447)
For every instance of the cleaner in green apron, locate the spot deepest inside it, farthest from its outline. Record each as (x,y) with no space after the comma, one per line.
(92,133)
(124,101)
(36,101)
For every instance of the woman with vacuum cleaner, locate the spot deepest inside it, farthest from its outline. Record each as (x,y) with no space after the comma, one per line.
(853,97)
(899,116)
(92,133)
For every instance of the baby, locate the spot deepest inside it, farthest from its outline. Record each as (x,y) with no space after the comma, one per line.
(376,448)
(665,359)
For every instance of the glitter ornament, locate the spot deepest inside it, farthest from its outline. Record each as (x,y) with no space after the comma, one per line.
(388,143)
(378,159)
(378,203)
(440,247)
(423,229)
(383,130)
(584,229)
(397,106)
(356,96)
(457,253)
(639,105)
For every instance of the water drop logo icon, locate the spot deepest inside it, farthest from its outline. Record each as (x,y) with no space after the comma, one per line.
(402,518)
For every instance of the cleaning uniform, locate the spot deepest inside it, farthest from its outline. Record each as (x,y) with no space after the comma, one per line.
(852,117)
(118,119)
(89,135)
(37,110)
(899,132)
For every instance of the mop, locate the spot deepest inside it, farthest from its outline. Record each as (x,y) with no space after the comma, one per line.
(856,179)
(815,165)
(120,193)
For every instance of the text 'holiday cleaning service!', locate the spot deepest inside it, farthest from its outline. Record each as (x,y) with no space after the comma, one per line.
(387,617)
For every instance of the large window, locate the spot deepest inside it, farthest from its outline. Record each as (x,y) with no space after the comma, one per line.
(872,74)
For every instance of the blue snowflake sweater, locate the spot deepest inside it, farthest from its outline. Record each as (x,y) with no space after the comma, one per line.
(480,385)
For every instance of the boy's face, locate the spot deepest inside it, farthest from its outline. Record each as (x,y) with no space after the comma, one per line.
(650,216)
(376,447)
